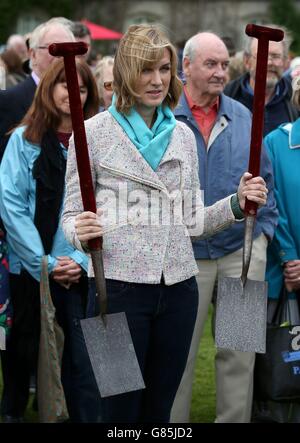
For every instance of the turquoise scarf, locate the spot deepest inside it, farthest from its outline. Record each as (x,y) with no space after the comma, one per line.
(151,143)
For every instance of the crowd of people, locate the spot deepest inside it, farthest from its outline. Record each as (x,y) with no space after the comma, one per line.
(184,136)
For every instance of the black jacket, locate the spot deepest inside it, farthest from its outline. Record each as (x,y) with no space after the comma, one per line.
(279,110)
(14,103)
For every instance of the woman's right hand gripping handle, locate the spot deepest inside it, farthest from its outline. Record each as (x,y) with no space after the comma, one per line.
(88,226)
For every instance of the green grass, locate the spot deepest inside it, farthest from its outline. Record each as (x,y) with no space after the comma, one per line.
(204,391)
(203,400)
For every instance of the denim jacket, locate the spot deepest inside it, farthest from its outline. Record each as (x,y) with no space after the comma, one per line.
(221,165)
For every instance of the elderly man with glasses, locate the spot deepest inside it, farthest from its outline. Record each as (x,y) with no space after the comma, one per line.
(278,107)
(15,101)
(278,110)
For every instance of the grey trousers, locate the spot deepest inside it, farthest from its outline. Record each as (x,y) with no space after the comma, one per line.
(233,369)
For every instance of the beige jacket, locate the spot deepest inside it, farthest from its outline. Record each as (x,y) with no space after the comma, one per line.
(149,216)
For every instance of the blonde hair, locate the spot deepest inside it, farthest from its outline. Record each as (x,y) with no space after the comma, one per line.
(140,47)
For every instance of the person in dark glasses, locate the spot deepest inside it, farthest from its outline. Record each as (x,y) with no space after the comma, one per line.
(104,79)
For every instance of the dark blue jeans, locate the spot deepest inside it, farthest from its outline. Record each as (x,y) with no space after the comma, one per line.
(161,321)
(19,361)
(81,391)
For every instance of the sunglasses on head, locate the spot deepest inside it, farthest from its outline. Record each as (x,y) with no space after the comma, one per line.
(108,86)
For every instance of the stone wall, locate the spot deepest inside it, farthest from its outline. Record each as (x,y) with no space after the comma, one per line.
(182,18)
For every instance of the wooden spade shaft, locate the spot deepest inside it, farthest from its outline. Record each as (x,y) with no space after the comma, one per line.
(68,51)
(108,341)
(264,35)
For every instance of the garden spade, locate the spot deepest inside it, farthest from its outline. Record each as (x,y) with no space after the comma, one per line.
(241,307)
(107,336)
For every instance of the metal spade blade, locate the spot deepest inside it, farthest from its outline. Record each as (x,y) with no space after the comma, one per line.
(109,343)
(112,354)
(241,315)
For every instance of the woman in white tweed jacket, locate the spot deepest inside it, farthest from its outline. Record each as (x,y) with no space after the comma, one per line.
(145,172)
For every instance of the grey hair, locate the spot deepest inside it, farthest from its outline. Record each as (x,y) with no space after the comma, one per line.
(63,21)
(192,45)
(296,92)
(286,42)
(39,32)
(189,49)
(108,60)
(99,70)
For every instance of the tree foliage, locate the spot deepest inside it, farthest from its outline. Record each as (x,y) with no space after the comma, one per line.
(11,10)
(286,13)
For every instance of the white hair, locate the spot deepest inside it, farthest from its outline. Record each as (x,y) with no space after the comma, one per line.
(192,45)
(39,32)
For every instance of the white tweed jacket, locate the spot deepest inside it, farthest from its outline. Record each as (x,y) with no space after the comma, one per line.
(149,216)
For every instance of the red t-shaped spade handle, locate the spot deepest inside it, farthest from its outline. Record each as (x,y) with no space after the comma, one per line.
(68,51)
(264,35)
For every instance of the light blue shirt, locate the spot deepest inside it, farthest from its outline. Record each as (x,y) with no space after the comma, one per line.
(17,208)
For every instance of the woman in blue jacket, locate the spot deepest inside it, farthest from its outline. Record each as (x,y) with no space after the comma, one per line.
(283,261)
(283,267)
(31,194)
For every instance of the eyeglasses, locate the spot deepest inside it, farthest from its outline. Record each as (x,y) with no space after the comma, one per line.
(108,86)
(43,47)
(271,56)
